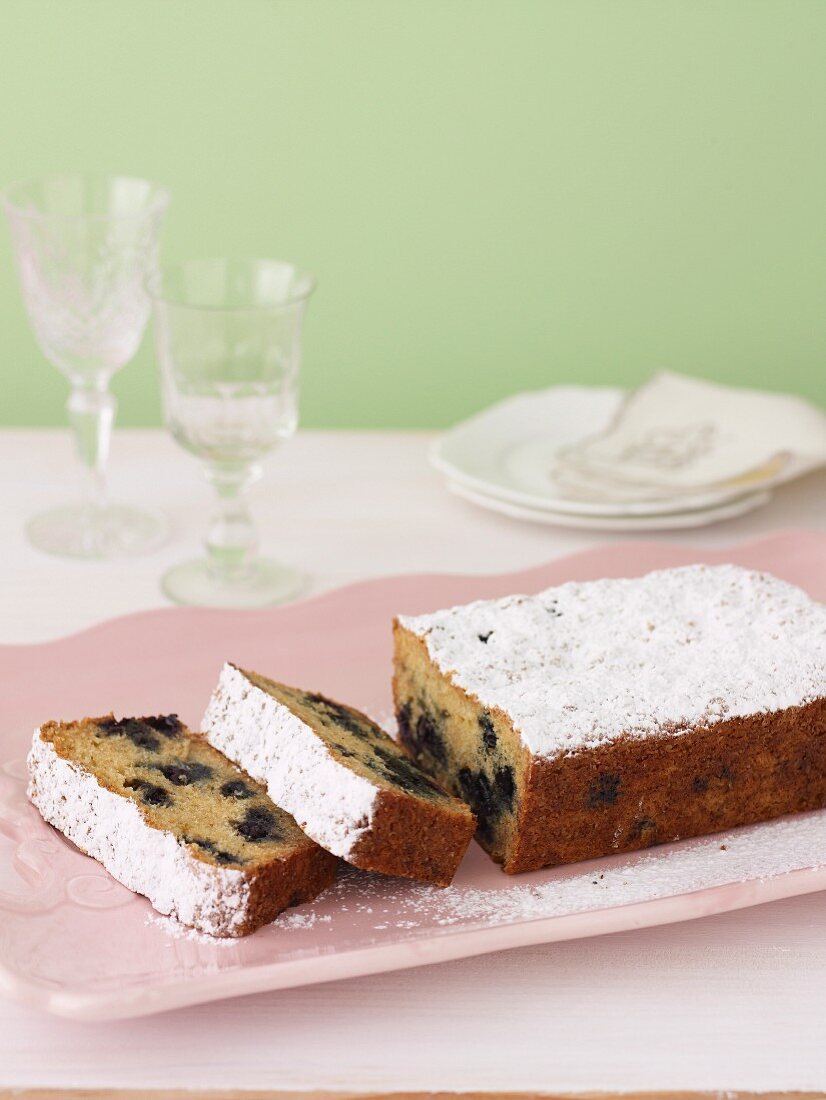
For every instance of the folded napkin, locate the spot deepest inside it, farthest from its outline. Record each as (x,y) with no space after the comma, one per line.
(681,437)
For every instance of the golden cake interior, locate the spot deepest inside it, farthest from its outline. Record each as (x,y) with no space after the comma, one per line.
(182,785)
(471,751)
(355,740)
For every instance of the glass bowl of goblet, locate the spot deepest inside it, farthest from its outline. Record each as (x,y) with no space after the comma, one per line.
(85,246)
(228,337)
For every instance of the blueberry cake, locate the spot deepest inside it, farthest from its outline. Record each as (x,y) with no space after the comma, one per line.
(170,817)
(346,782)
(608,716)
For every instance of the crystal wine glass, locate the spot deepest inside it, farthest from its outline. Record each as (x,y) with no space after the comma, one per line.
(84,248)
(228,339)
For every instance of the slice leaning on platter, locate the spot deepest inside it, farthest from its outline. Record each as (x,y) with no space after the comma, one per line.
(508,452)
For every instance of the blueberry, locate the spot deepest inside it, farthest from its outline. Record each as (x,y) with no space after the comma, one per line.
(167,724)
(645,828)
(604,791)
(222,857)
(335,712)
(155,796)
(476,788)
(142,732)
(428,738)
(403,717)
(488,800)
(342,750)
(218,854)
(701,783)
(151,794)
(422,737)
(806,761)
(505,787)
(488,732)
(401,771)
(137,731)
(200,842)
(184,772)
(385,752)
(478,793)
(236,788)
(258,824)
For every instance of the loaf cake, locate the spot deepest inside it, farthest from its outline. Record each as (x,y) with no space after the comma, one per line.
(342,777)
(171,818)
(607,716)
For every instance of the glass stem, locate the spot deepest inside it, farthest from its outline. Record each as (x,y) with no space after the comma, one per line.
(91,415)
(231,540)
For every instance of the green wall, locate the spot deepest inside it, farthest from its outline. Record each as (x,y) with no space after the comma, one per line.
(494,195)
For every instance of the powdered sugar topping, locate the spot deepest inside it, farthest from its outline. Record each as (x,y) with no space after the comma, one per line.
(579,665)
(331,803)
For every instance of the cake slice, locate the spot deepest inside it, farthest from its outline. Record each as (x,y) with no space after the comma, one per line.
(347,783)
(600,717)
(171,818)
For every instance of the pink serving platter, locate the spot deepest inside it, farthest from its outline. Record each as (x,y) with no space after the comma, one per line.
(75,942)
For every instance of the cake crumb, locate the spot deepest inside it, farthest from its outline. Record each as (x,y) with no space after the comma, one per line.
(178,931)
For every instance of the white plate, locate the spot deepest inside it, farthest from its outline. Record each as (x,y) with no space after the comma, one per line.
(508,452)
(663,522)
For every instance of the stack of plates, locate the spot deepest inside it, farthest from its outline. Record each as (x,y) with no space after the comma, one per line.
(503,459)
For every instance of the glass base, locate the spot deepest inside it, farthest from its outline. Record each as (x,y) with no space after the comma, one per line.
(267,583)
(83,531)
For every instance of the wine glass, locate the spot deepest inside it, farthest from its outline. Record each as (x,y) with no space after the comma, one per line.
(228,339)
(84,247)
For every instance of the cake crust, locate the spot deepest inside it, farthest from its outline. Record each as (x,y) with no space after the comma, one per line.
(633,794)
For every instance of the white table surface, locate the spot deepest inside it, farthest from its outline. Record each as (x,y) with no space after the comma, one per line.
(730,1002)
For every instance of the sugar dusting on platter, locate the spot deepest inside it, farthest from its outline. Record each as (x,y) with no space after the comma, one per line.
(286,921)
(385,906)
(738,856)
